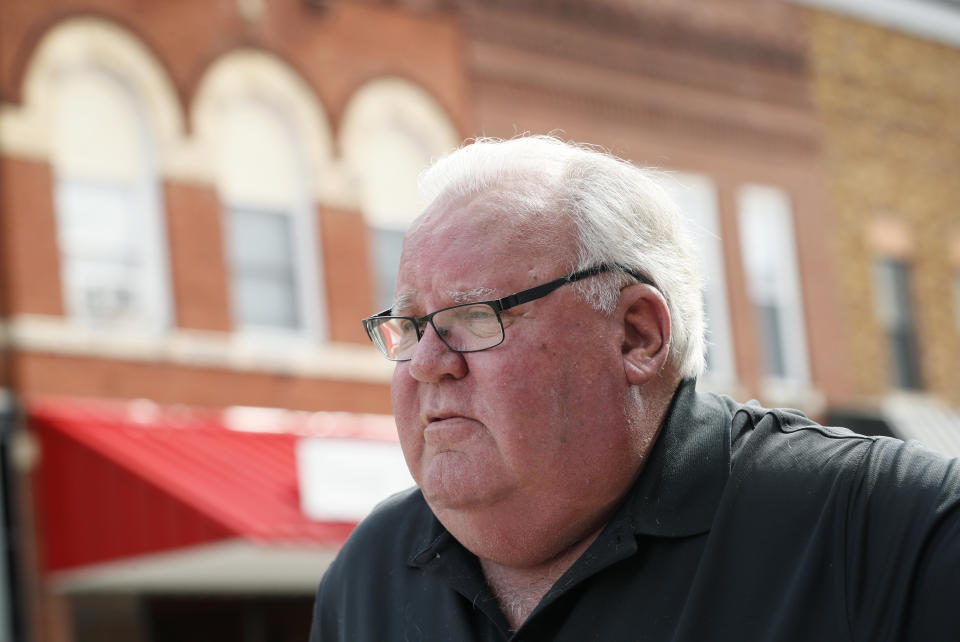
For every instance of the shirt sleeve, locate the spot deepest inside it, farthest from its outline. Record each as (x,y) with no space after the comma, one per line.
(903,545)
(321,629)
(934,609)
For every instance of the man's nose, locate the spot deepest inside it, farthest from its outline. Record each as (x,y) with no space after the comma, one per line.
(433,359)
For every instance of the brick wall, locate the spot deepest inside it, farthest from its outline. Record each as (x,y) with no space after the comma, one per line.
(29,258)
(209,387)
(197,257)
(890,109)
(335,50)
(348,273)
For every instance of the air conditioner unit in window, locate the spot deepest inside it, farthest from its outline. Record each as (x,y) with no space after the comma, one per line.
(108,303)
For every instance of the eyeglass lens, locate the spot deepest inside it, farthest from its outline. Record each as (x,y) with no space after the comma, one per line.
(464,328)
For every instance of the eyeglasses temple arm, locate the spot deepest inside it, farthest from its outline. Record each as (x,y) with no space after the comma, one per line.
(532,294)
(539,291)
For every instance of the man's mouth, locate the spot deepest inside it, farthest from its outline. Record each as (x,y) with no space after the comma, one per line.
(443,415)
(446,429)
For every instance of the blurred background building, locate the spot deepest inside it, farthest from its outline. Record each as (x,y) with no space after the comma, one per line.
(199,199)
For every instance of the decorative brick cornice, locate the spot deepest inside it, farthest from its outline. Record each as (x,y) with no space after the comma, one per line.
(736,40)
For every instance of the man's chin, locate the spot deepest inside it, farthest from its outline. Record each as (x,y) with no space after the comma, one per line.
(460,497)
(456,481)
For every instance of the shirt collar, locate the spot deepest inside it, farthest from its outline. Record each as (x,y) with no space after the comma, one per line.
(680,486)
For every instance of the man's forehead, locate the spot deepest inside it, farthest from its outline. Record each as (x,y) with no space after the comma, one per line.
(474,250)
(491,217)
(411,298)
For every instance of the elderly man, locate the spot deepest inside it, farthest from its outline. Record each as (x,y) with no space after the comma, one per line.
(571,482)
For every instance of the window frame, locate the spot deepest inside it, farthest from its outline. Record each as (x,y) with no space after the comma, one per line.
(148,237)
(298,207)
(895,310)
(754,200)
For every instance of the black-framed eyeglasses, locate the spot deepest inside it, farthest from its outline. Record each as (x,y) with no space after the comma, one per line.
(467,327)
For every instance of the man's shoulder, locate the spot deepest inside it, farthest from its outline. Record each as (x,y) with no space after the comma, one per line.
(784,438)
(786,444)
(862,530)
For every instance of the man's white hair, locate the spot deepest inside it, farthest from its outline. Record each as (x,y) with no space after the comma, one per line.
(620,212)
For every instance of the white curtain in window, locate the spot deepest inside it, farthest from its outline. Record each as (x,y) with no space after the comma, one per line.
(769,260)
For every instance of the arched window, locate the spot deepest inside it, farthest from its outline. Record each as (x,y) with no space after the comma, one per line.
(102,100)
(392,130)
(261,184)
(263,133)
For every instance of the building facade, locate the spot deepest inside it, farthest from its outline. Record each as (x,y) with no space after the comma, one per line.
(199,201)
(888,103)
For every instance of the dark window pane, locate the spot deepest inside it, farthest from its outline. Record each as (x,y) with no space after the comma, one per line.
(263,268)
(894,304)
(768,317)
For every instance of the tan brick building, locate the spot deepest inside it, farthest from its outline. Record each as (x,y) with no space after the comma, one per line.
(890,107)
(200,200)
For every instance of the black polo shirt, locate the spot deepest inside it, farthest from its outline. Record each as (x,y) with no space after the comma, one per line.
(746,524)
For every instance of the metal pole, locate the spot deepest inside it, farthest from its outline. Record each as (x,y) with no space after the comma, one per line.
(11,624)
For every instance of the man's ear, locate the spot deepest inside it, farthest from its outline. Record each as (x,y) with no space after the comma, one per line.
(646,339)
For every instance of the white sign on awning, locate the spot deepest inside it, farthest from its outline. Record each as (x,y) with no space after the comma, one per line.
(341,480)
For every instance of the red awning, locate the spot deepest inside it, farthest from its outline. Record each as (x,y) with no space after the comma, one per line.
(119,480)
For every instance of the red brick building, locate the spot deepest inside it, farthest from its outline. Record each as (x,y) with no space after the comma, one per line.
(200,200)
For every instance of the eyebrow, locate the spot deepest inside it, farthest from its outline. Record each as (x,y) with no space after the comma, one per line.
(404,300)
(466,296)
